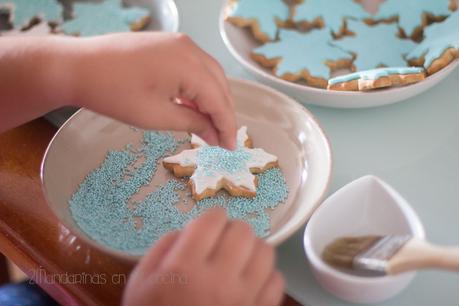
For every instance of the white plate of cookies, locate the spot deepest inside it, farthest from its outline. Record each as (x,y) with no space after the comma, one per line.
(137,185)
(86,18)
(344,53)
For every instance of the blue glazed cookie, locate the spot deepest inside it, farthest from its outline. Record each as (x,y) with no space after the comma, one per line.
(308,56)
(90,19)
(439,47)
(377,78)
(330,14)
(375,46)
(262,16)
(22,12)
(413,15)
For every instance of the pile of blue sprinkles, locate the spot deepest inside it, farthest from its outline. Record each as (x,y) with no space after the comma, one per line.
(100,205)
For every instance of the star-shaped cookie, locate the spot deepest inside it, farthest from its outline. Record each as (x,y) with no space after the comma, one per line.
(109,16)
(262,16)
(23,11)
(412,13)
(40,29)
(375,46)
(440,45)
(213,168)
(330,12)
(303,55)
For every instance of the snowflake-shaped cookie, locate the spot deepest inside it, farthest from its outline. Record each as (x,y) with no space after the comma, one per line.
(376,45)
(439,38)
(302,53)
(332,12)
(213,168)
(411,13)
(40,29)
(263,16)
(23,11)
(109,16)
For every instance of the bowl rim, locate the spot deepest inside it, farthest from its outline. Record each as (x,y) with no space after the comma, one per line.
(134,257)
(306,88)
(175,15)
(316,262)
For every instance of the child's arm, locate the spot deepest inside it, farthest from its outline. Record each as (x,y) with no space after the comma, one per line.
(214,261)
(132,77)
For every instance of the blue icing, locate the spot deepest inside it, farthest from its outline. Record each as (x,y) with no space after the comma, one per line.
(100,204)
(332,12)
(264,11)
(438,38)
(375,45)
(25,10)
(410,11)
(375,74)
(303,51)
(92,19)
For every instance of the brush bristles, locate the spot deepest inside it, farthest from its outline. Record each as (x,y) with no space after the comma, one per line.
(341,252)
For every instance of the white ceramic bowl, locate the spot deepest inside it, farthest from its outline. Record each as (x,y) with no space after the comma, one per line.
(275,122)
(164,14)
(240,43)
(366,206)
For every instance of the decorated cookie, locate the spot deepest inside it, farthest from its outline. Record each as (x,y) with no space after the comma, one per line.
(262,16)
(303,55)
(213,168)
(375,46)
(109,16)
(413,15)
(377,78)
(329,13)
(440,45)
(39,29)
(22,12)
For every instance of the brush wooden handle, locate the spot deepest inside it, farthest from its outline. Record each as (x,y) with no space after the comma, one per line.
(418,254)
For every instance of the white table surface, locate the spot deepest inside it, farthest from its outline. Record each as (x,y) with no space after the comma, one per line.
(413,145)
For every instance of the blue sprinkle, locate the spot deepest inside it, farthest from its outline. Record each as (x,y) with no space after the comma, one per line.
(216,159)
(100,205)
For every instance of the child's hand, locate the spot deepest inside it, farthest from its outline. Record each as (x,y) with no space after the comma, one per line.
(136,78)
(212,262)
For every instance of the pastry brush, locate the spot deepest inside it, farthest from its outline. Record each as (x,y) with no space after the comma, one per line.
(389,255)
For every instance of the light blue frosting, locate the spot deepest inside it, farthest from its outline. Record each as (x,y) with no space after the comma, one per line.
(332,12)
(375,74)
(410,11)
(92,19)
(438,38)
(303,51)
(264,11)
(25,10)
(375,45)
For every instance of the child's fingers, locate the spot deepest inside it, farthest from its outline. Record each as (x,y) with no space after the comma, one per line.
(272,292)
(153,257)
(200,236)
(206,93)
(184,118)
(218,71)
(260,267)
(238,236)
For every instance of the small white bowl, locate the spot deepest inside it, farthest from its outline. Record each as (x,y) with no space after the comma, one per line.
(366,206)
(240,43)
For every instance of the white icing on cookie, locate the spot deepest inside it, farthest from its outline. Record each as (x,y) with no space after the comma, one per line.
(213,164)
